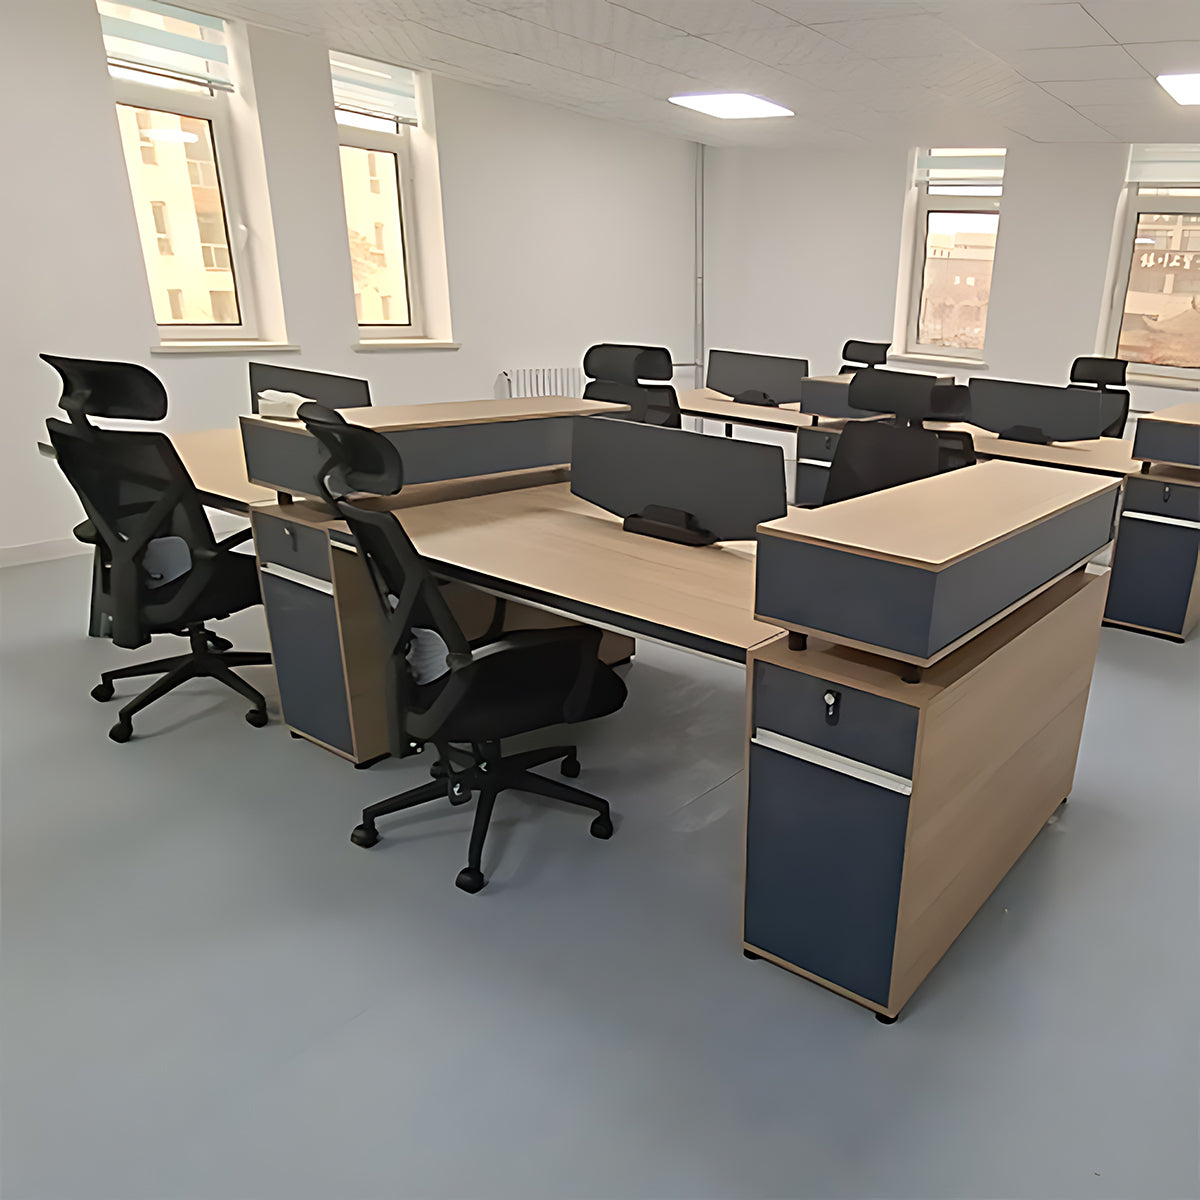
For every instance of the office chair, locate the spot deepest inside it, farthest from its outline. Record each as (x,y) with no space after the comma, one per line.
(858,356)
(493,688)
(951,402)
(874,455)
(1105,375)
(333,391)
(615,373)
(93,387)
(161,570)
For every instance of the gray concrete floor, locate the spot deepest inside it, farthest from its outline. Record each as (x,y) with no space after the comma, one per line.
(209,994)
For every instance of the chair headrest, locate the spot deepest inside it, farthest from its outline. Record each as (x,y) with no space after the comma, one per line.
(94,388)
(1106,372)
(627,364)
(364,459)
(870,354)
(896,392)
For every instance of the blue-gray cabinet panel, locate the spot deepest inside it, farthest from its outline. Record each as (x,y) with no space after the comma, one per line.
(1153,569)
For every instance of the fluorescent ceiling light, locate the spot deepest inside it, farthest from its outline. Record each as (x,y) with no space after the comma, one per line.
(171,135)
(1183,89)
(732,106)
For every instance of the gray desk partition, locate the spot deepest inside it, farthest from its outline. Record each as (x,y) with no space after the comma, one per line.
(1036,412)
(334,391)
(732,372)
(729,486)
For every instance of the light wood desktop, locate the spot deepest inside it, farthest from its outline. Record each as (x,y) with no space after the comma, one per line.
(213,458)
(716,406)
(1104,456)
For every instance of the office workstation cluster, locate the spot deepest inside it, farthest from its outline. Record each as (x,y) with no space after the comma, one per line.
(918,641)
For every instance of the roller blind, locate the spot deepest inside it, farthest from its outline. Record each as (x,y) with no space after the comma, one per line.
(1162,164)
(361,85)
(166,40)
(949,167)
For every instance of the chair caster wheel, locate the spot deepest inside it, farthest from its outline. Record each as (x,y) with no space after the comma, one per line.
(884,1019)
(470,880)
(602,827)
(122,731)
(102,691)
(751,955)
(364,835)
(570,767)
(257,717)
(219,644)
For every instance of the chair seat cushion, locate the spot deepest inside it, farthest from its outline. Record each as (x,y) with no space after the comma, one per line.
(233,586)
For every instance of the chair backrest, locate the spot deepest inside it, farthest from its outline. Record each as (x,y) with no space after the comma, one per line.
(134,488)
(333,391)
(874,455)
(1106,375)
(96,388)
(857,355)
(616,373)
(956,448)
(951,402)
(907,395)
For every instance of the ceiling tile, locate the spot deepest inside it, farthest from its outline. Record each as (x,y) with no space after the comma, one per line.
(1147,20)
(1109,91)
(1081,62)
(1167,58)
(895,37)
(710,16)
(1068,126)
(813,12)
(1005,26)
(1140,125)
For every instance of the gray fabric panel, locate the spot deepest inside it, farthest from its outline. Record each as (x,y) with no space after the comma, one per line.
(1164,441)
(978,587)
(817,443)
(870,729)
(824,857)
(810,484)
(828,397)
(1153,569)
(294,546)
(308,660)
(866,599)
(1165,499)
(289,462)
(333,391)
(731,372)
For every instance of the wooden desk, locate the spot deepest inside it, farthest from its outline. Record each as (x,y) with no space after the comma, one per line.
(1104,456)
(213,458)
(704,402)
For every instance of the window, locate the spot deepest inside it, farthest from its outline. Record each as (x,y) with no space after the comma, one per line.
(375,108)
(1158,321)
(172,84)
(958,219)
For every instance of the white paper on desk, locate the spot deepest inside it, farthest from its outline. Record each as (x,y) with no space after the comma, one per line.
(280,406)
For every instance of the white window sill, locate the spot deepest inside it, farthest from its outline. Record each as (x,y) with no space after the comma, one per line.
(372,345)
(1163,381)
(940,360)
(222,347)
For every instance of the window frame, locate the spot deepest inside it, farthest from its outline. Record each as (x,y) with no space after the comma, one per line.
(960,202)
(399,144)
(211,105)
(1133,205)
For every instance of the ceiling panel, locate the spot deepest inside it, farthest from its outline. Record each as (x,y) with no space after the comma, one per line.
(1147,20)
(1079,62)
(1167,58)
(1004,26)
(1110,91)
(711,16)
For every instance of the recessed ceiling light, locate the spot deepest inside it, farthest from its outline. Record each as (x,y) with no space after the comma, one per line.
(732,106)
(1183,89)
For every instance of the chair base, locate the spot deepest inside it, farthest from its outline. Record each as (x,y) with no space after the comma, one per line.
(458,774)
(210,658)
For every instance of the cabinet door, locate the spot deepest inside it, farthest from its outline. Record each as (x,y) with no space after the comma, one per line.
(1153,570)
(824,854)
(308,657)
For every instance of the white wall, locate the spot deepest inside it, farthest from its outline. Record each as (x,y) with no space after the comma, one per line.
(561,231)
(803,249)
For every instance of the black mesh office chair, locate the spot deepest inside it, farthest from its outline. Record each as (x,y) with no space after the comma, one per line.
(615,374)
(96,388)
(491,689)
(858,356)
(161,570)
(333,391)
(1105,375)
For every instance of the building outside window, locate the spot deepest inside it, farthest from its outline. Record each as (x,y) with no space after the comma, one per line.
(958,220)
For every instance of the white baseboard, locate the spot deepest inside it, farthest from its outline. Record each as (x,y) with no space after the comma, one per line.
(36,552)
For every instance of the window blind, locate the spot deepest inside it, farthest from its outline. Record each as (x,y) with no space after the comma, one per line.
(960,167)
(166,40)
(1164,164)
(376,89)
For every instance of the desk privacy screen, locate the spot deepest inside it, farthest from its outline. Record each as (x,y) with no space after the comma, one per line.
(732,372)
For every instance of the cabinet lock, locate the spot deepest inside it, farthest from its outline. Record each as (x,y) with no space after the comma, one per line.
(833,706)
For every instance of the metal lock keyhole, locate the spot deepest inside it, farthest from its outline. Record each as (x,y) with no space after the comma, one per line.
(833,706)
(290,534)
(1166,493)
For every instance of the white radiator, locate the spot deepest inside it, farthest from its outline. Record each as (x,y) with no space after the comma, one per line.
(545,381)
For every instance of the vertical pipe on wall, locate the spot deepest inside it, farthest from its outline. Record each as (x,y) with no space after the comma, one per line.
(698,335)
